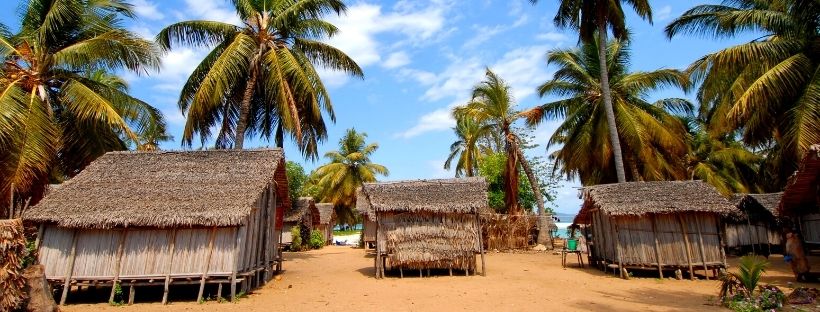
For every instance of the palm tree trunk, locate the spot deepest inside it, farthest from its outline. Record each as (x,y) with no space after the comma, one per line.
(511,177)
(543,226)
(244,111)
(610,112)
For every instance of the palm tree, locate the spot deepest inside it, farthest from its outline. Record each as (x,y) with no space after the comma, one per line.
(260,77)
(60,108)
(653,139)
(469,148)
(768,88)
(348,169)
(721,161)
(591,17)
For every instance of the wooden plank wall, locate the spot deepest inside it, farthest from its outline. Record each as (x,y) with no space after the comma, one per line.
(810,228)
(744,234)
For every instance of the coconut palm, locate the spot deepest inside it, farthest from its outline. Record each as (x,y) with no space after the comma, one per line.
(721,161)
(591,17)
(60,108)
(469,147)
(260,77)
(348,169)
(768,88)
(493,106)
(653,139)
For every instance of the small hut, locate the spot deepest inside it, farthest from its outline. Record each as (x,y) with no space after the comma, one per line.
(753,225)
(164,219)
(301,215)
(324,221)
(425,224)
(801,197)
(663,225)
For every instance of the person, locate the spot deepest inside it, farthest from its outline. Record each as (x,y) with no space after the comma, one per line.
(796,256)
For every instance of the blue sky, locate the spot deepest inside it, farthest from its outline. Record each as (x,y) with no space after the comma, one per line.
(420,58)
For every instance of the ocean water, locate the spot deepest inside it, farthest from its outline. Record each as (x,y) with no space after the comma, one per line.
(562,228)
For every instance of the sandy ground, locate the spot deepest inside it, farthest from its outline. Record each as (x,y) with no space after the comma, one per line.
(340,278)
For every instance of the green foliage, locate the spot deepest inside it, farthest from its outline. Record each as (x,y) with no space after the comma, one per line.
(296,239)
(119,298)
(30,257)
(740,291)
(296,180)
(491,167)
(317,239)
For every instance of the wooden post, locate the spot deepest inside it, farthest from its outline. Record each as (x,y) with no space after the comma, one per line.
(170,265)
(721,243)
(70,269)
(688,246)
(207,265)
(401,272)
(378,251)
(657,245)
(480,244)
(40,232)
(702,250)
(117,265)
(618,248)
(751,238)
(236,245)
(131,293)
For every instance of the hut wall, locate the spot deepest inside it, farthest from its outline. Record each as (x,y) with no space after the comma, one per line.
(742,234)
(428,240)
(636,238)
(369,230)
(810,228)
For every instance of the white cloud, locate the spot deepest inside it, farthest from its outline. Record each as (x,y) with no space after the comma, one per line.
(455,80)
(147,9)
(484,33)
(523,69)
(396,59)
(424,78)
(440,119)
(663,13)
(212,11)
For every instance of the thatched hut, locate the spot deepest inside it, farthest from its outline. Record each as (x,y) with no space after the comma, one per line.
(300,215)
(664,225)
(425,224)
(324,220)
(801,197)
(753,225)
(164,219)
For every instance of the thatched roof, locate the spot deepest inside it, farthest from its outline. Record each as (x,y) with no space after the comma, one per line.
(758,207)
(443,196)
(639,198)
(303,206)
(325,212)
(803,188)
(164,189)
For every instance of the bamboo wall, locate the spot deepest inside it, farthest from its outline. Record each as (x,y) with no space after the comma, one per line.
(677,239)
(428,240)
(369,230)
(155,253)
(742,234)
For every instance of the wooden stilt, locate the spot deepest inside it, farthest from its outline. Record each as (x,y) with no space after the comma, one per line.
(420,273)
(480,244)
(700,245)
(219,291)
(428,273)
(688,247)
(70,269)
(451,271)
(721,243)
(40,231)
(131,293)
(657,245)
(618,251)
(170,264)
(401,272)
(207,265)
(118,264)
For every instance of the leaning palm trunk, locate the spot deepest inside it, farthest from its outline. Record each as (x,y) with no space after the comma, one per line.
(610,111)
(511,177)
(543,226)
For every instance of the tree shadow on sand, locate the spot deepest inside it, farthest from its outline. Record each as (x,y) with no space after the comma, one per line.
(655,296)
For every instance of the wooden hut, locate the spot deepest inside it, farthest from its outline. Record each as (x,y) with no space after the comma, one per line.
(655,225)
(324,221)
(801,197)
(753,225)
(300,215)
(426,224)
(165,219)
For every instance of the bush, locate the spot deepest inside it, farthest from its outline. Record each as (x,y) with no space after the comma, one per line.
(317,240)
(296,239)
(738,290)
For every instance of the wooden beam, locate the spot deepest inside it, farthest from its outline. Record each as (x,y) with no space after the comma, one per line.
(700,245)
(236,245)
(721,243)
(170,265)
(688,247)
(657,245)
(480,245)
(207,265)
(118,264)
(40,232)
(70,269)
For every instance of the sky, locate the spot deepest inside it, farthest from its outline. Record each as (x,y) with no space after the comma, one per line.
(420,58)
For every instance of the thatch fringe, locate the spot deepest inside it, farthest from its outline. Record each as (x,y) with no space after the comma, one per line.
(505,232)
(445,195)
(12,252)
(427,240)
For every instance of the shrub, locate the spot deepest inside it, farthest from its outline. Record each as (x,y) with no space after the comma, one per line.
(296,239)
(738,290)
(317,240)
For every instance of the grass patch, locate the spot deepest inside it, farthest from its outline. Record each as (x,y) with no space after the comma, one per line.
(345,233)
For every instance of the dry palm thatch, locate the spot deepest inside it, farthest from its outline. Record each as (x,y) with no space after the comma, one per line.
(755,207)
(440,196)
(658,197)
(300,212)
(802,189)
(165,189)
(326,213)
(13,250)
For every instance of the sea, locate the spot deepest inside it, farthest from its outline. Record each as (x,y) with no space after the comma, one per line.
(563,222)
